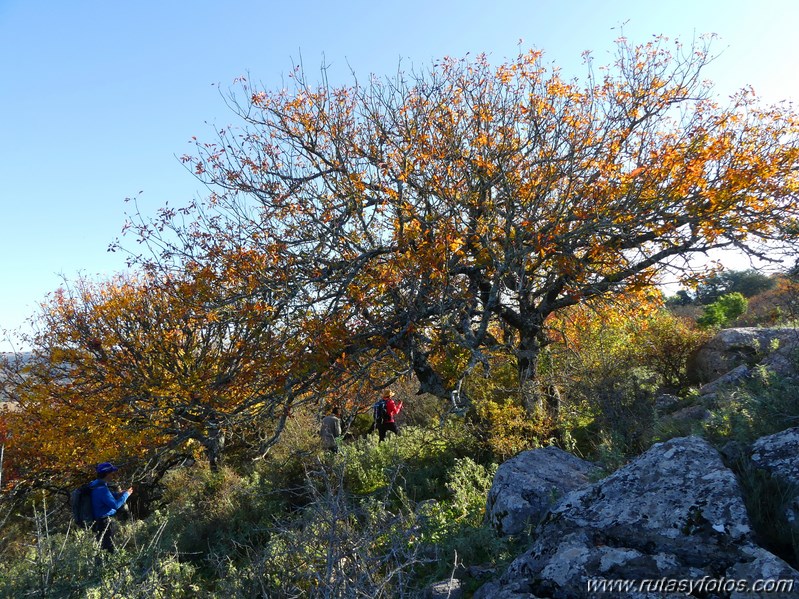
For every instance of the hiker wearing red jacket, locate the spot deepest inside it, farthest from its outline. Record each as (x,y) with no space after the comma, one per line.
(392,409)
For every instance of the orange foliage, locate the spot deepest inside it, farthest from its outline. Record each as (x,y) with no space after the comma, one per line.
(776,306)
(406,215)
(142,371)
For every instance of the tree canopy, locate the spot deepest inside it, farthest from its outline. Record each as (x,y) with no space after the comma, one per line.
(426,223)
(139,369)
(448,212)
(746,282)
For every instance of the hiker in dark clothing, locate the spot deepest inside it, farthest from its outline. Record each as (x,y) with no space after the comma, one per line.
(330,430)
(392,408)
(105,505)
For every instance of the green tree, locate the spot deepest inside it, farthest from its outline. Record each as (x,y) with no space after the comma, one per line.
(724,310)
(681,298)
(746,282)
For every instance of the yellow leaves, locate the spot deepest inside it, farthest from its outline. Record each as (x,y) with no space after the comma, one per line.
(484,167)
(505,74)
(357,182)
(455,244)
(557,88)
(262,308)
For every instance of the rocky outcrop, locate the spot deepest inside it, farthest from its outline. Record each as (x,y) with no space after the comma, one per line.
(778,454)
(674,512)
(734,377)
(666,403)
(527,485)
(745,347)
(446,589)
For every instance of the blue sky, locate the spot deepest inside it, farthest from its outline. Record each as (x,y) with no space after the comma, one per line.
(97,98)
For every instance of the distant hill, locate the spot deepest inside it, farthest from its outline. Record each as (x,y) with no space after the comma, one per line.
(5,359)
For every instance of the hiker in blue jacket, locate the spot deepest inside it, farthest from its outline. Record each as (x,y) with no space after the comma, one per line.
(105,505)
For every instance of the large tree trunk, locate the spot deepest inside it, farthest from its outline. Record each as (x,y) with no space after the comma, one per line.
(536,398)
(429,380)
(527,358)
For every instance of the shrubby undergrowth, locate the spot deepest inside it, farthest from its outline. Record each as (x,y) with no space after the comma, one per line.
(387,519)
(762,405)
(376,520)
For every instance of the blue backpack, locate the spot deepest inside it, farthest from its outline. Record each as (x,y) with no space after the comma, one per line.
(380,413)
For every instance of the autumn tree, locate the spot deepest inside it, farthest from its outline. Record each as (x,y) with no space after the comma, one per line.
(778,306)
(453,210)
(149,371)
(6,472)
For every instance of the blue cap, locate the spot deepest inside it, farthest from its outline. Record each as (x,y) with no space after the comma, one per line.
(105,468)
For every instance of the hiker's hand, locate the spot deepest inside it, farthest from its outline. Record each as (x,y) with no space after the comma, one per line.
(130,491)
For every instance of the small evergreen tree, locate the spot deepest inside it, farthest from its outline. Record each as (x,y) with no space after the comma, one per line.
(724,310)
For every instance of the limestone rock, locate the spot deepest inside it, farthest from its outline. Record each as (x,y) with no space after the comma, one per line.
(732,348)
(778,454)
(766,567)
(674,512)
(446,589)
(736,375)
(528,484)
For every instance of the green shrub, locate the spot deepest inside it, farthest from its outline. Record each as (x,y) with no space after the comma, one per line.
(338,545)
(453,528)
(218,511)
(497,416)
(763,405)
(665,345)
(667,427)
(166,578)
(724,310)
(768,501)
(417,461)
(53,566)
(623,417)
(506,428)
(70,564)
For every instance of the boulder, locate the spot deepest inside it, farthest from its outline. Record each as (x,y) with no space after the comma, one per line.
(732,348)
(666,403)
(778,454)
(691,413)
(764,566)
(674,512)
(511,590)
(528,484)
(736,375)
(446,589)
